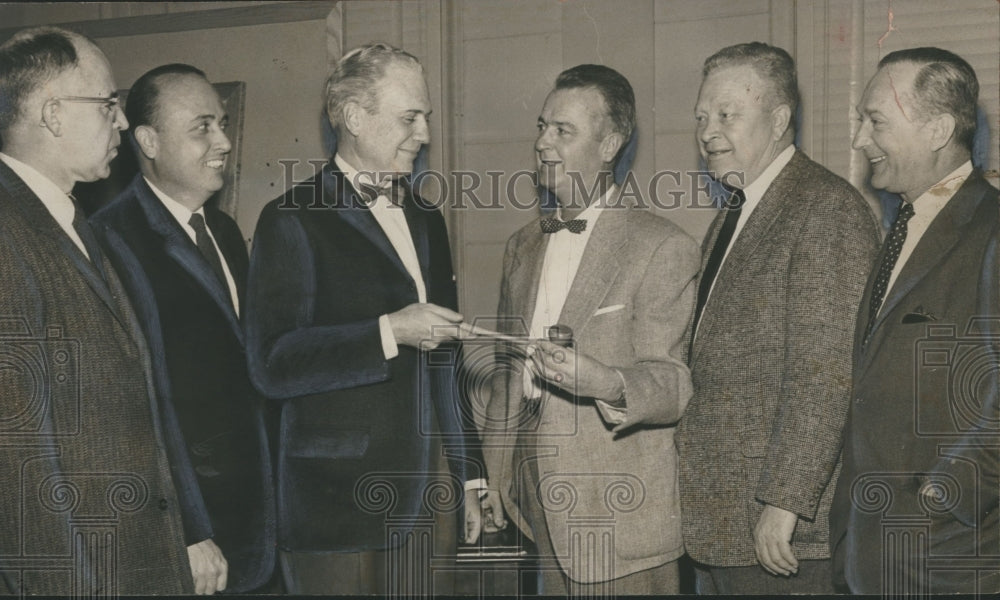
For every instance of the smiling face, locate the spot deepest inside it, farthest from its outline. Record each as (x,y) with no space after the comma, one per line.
(89,133)
(893,136)
(739,130)
(573,147)
(389,138)
(186,147)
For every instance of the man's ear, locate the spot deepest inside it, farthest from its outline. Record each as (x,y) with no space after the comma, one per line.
(51,117)
(148,141)
(352,117)
(781,118)
(610,146)
(941,129)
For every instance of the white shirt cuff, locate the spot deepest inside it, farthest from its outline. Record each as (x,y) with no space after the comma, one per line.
(613,414)
(389,346)
(476,484)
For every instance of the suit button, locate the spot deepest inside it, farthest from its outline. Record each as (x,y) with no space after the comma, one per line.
(858,400)
(163,504)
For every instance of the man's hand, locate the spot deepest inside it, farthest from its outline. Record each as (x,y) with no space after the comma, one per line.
(575,372)
(208,567)
(772,541)
(420,325)
(482,514)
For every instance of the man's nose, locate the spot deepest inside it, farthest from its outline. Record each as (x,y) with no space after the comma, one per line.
(863,136)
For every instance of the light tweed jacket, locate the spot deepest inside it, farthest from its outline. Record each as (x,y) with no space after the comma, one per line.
(771,367)
(629,307)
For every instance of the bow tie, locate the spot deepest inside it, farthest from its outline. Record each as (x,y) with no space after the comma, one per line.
(395,191)
(551,225)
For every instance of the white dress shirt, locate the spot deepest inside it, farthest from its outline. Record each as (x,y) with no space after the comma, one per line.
(925,209)
(182,215)
(754,193)
(393,222)
(56,201)
(563,253)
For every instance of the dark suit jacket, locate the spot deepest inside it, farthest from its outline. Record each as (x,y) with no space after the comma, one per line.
(220,452)
(911,404)
(771,366)
(84,477)
(355,433)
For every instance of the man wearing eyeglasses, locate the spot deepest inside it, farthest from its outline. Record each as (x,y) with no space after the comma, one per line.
(87,504)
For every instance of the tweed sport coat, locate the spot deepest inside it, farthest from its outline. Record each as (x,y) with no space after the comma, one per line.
(629,307)
(219,450)
(912,421)
(356,429)
(771,366)
(85,486)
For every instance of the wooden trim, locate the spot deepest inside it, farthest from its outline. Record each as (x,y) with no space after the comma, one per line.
(240,16)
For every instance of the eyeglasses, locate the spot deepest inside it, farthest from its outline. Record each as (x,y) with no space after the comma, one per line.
(110,103)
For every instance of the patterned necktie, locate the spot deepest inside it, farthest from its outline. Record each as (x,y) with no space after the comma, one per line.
(87,237)
(733,208)
(552,225)
(207,247)
(893,245)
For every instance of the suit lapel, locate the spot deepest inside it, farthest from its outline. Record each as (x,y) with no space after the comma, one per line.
(36,216)
(598,269)
(944,232)
(524,275)
(179,247)
(233,251)
(745,247)
(416,221)
(349,207)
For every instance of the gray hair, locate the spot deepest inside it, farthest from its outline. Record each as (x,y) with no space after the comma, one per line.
(945,83)
(355,77)
(772,64)
(28,60)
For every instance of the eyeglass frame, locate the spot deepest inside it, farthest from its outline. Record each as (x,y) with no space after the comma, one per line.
(112,102)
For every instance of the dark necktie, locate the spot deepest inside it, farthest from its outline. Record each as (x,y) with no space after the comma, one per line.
(87,237)
(893,245)
(733,208)
(207,247)
(551,225)
(395,191)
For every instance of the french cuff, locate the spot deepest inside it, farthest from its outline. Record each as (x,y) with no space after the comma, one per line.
(477,484)
(614,411)
(389,346)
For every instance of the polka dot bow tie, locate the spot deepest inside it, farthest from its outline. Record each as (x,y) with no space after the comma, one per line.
(551,225)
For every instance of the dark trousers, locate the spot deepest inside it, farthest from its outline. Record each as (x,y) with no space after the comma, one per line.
(814,577)
(380,572)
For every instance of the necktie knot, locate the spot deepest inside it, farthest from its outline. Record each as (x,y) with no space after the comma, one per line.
(197,222)
(552,225)
(737,198)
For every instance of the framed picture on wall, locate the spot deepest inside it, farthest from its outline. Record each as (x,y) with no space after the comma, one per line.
(96,194)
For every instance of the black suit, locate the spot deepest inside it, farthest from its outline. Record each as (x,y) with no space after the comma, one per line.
(221,459)
(356,431)
(909,421)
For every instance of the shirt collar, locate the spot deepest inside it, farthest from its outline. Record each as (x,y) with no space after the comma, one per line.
(42,186)
(593,212)
(180,212)
(941,192)
(354,176)
(755,191)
